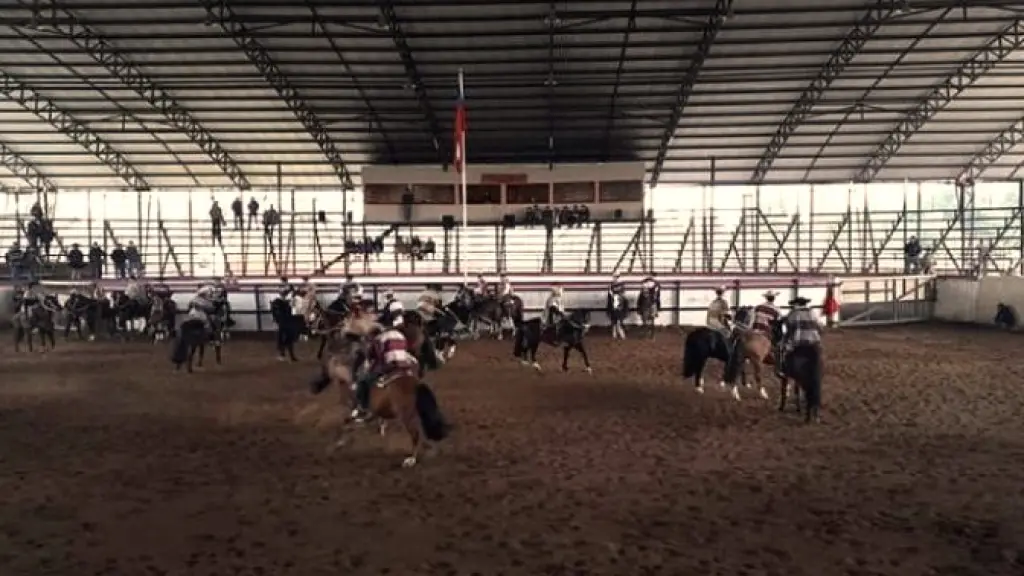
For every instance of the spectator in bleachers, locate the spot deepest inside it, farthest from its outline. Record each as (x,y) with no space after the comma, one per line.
(216,222)
(15,255)
(912,255)
(254,211)
(120,260)
(76,261)
(36,211)
(237,211)
(134,260)
(270,219)
(429,248)
(96,259)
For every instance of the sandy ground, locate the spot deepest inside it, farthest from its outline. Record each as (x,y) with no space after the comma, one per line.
(112,464)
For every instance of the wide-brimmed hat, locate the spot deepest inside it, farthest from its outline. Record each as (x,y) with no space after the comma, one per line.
(799,301)
(770,294)
(720,290)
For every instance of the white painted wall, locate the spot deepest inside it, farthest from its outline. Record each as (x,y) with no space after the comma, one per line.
(974,301)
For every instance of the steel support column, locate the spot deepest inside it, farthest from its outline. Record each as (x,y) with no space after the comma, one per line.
(715,21)
(613,102)
(25,170)
(412,74)
(848,50)
(997,49)
(222,13)
(66,124)
(134,78)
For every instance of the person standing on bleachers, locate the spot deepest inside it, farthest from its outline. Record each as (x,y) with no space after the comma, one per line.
(237,211)
(134,260)
(254,211)
(269,221)
(120,259)
(96,259)
(76,261)
(216,222)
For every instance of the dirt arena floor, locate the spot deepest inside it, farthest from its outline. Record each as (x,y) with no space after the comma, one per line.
(111,464)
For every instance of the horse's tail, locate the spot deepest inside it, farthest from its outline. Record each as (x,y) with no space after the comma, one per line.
(812,375)
(180,353)
(435,427)
(321,381)
(692,354)
(735,364)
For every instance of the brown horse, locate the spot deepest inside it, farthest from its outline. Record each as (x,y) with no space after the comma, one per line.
(400,397)
(748,345)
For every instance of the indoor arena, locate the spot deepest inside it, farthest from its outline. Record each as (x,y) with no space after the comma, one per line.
(456,287)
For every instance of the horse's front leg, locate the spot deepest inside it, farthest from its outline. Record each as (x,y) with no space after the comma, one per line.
(759,382)
(202,354)
(323,346)
(783,393)
(217,352)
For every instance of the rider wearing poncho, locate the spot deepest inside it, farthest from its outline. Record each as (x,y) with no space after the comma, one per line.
(554,311)
(652,287)
(802,329)
(202,305)
(766,316)
(429,301)
(391,315)
(386,355)
(718,313)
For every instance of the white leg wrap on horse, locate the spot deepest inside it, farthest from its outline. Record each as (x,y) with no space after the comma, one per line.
(736,393)
(409,462)
(764,393)
(536,366)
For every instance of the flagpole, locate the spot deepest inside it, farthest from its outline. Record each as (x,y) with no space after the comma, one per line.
(465,223)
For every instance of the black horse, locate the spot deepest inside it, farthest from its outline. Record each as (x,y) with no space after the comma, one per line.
(127,310)
(193,335)
(701,345)
(1006,317)
(567,333)
(806,367)
(95,313)
(38,318)
(289,328)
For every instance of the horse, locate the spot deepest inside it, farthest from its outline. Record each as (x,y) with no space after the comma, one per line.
(163,318)
(568,334)
(38,318)
(194,334)
(1006,317)
(419,345)
(512,309)
(747,344)
(325,322)
(94,311)
(618,311)
(701,345)
(127,310)
(401,397)
(806,367)
(647,308)
(288,328)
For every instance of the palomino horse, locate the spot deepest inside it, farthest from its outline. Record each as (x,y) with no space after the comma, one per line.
(401,397)
(568,334)
(37,319)
(647,307)
(701,345)
(193,335)
(618,311)
(163,318)
(747,345)
(806,367)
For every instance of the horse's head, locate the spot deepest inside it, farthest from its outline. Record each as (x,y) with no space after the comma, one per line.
(580,318)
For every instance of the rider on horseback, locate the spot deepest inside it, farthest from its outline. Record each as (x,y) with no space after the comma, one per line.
(506,289)
(387,355)
(766,316)
(160,289)
(391,315)
(554,311)
(718,312)
(429,301)
(31,295)
(652,287)
(480,290)
(202,306)
(616,286)
(802,329)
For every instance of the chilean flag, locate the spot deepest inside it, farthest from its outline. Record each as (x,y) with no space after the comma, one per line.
(459,156)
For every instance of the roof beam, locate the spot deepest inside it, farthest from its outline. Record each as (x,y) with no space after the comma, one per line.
(850,47)
(22,168)
(387,10)
(221,13)
(66,124)
(630,27)
(995,149)
(131,76)
(711,28)
(1004,44)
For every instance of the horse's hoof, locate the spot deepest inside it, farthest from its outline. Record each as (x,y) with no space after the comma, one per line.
(409,462)
(736,393)
(699,389)
(589,370)
(383,428)
(536,366)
